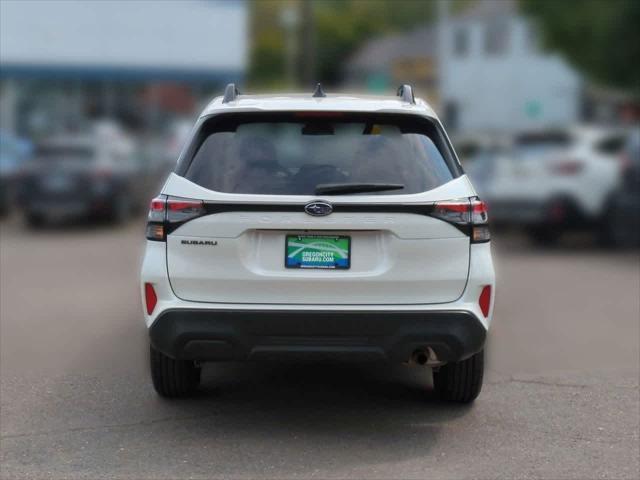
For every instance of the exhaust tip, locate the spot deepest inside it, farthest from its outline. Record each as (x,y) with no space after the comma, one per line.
(421,357)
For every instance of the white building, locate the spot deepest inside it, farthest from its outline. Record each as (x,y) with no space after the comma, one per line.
(62,59)
(493,76)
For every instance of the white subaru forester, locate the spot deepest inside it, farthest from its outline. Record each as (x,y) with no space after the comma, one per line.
(318,226)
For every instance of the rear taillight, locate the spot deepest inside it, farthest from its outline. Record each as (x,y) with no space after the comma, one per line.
(453,211)
(479,222)
(156,219)
(167,213)
(566,167)
(180,210)
(150,298)
(103,173)
(470,215)
(155,232)
(625,162)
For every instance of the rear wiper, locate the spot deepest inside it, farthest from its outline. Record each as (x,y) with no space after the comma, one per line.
(344,188)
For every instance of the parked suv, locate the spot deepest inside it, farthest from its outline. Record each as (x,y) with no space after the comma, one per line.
(81,175)
(308,227)
(557,180)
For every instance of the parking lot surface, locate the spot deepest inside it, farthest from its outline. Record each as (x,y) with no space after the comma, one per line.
(560,400)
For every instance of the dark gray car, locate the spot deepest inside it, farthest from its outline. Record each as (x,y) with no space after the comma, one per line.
(83,176)
(624,220)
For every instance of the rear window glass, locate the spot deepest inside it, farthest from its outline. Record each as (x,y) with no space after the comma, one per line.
(292,154)
(536,144)
(611,145)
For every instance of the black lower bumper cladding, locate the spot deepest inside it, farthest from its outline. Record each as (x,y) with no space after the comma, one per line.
(220,335)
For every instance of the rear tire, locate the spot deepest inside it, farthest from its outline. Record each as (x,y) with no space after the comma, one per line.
(173,378)
(121,209)
(544,235)
(460,381)
(35,220)
(618,230)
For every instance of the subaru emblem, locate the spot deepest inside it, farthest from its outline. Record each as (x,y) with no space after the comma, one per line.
(318,209)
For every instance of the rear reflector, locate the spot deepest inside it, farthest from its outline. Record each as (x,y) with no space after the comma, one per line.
(485,300)
(150,298)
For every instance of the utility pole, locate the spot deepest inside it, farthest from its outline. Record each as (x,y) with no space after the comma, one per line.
(308,42)
(442,20)
(289,19)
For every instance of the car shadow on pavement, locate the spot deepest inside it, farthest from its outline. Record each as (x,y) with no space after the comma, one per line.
(250,420)
(389,412)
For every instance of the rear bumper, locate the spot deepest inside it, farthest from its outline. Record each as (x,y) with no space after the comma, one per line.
(83,198)
(554,211)
(58,208)
(219,335)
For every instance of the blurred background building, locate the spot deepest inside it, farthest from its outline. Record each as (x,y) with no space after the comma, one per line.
(494,75)
(140,63)
(488,48)
(485,64)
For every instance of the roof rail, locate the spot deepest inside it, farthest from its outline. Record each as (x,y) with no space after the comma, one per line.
(231,92)
(406,93)
(318,92)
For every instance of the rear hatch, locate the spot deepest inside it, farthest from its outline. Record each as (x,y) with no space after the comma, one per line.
(320,211)
(528,168)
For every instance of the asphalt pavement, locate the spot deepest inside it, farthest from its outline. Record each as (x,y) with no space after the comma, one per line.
(560,400)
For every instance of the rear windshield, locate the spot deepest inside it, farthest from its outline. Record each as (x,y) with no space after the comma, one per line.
(536,144)
(294,154)
(612,144)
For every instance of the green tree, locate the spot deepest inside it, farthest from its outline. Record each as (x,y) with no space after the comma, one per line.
(344,25)
(341,26)
(267,61)
(600,37)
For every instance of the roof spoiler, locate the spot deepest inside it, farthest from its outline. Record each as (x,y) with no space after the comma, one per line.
(406,93)
(231,93)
